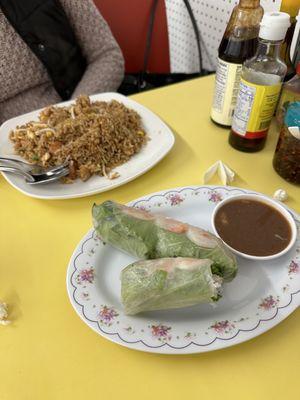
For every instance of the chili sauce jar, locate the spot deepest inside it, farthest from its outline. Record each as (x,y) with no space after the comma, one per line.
(286,161)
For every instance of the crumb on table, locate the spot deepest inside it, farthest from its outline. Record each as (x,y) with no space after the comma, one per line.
(4,314)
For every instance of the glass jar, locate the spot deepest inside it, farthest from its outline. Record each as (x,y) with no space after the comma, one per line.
(286,161)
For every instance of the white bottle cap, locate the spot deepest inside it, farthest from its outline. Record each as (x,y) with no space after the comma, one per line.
(274,25)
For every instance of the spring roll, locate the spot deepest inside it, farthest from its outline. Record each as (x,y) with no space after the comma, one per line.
(150,236)
(168,283)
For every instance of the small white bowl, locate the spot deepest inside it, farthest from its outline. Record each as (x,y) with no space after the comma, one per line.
(270,202)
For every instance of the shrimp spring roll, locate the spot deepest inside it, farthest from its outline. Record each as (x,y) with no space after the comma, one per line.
(168,283)
(150,236)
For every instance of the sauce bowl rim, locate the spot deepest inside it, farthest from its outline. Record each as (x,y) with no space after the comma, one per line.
(267,200)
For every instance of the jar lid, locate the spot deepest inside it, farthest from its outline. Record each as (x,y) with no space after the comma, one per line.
(292,119)
(292,115)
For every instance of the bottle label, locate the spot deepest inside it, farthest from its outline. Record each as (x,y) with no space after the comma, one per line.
(254,109)
(227,81)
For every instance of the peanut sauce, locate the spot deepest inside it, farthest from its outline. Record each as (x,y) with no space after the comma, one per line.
(253,227)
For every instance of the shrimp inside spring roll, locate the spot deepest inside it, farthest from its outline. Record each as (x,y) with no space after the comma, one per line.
(150,236)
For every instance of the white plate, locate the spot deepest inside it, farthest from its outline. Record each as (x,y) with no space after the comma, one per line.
(160,143)
(261,296)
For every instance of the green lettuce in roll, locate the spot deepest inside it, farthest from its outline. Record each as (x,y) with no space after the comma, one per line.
(150,236)
(168,283)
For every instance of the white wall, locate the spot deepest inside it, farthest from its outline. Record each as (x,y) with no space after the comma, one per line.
(212,17)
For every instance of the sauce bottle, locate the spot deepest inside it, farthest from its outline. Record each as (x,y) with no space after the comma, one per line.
(238,43)
(295,44)
(260,86)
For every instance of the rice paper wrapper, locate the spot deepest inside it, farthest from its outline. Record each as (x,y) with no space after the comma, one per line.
(168,283)
(125,231)
(150,236)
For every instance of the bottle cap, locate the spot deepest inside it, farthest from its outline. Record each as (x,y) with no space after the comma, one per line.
(274,25)
(292,115)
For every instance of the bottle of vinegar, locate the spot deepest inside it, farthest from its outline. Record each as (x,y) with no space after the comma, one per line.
(238,43)
(260,86)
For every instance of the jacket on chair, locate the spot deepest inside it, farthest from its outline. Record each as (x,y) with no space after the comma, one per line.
(44,27)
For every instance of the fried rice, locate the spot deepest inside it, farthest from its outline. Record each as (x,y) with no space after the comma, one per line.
(92,137)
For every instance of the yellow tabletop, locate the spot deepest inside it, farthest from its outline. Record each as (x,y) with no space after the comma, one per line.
(49,353)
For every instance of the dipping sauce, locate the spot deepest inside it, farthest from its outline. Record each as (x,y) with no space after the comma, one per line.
(253,227)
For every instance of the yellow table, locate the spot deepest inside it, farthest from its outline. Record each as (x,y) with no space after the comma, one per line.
(48,353)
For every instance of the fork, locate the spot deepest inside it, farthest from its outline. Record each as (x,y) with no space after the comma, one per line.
(34,179)
(32,168)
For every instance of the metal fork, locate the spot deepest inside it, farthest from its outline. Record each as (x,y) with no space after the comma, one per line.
(32,168)
(34,179)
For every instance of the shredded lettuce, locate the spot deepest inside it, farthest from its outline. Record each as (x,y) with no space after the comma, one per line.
(143,235)
(168,283)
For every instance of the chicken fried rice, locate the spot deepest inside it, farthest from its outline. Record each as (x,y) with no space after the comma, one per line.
(93,137)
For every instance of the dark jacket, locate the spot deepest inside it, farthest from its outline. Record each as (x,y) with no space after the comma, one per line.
(44,26)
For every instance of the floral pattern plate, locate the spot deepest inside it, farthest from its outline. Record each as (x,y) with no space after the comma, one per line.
(261,296)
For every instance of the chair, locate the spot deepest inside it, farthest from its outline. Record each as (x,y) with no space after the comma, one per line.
(129,25)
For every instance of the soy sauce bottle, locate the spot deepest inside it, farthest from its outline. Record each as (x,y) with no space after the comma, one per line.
(238,43)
